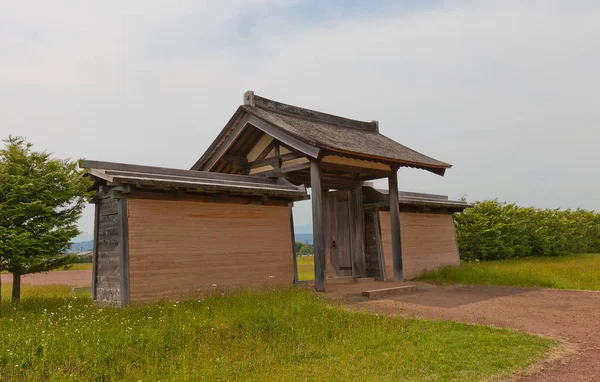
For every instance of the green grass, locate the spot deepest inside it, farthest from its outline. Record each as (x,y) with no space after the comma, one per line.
(306,268)
(279,335)
(78,267)
(566,272)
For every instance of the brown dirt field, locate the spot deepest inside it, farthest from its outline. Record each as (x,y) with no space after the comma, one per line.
(72,278)
(570,315)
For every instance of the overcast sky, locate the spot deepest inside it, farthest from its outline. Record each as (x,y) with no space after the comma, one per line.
(506,91)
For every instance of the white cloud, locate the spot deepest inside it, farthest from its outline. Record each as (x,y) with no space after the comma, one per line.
(506,91)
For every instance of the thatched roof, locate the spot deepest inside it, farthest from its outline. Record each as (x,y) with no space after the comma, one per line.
(149,177)
(325,133)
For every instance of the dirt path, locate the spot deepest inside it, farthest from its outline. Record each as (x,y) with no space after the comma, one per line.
(572,315)
(72,278)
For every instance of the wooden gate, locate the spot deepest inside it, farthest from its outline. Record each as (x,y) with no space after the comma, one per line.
(344,232)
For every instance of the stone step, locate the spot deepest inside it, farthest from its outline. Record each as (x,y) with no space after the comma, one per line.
(390,292)
(349,280)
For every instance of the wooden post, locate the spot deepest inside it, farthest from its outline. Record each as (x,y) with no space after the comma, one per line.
(395,224)
(455,238)
(124,244)
(316,195)
(379,244)
(95,249)
(296,281)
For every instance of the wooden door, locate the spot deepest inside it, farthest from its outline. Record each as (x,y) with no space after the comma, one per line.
(337,234)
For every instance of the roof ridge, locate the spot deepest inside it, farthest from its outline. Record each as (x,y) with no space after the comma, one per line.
(251,99)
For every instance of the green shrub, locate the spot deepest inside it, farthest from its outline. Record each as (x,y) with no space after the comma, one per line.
(493,230)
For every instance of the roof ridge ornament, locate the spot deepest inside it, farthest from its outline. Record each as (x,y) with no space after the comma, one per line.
(249,98)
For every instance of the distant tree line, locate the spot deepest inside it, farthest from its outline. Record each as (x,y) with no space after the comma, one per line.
(493,230)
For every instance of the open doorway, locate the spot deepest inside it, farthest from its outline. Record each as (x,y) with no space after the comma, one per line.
(304,244)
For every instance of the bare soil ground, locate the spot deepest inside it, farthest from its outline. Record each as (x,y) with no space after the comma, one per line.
(571,315)
(73,278)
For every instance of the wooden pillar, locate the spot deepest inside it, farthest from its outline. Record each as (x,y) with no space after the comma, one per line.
(395,224)
(296,281)
(124,246)
(316,196)
(95,249)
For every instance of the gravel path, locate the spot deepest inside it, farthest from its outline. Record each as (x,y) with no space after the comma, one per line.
(571,315)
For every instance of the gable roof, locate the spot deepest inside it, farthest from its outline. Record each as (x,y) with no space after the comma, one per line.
(315,132)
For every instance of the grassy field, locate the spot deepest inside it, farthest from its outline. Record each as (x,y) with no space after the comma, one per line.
(566,272)
(306,268)
(78,267)
(271,335)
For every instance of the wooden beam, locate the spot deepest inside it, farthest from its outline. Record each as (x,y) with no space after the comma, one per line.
(238,162)
(264,142)
(227,143)
(285,170)
(124,244)
(296,280)
(109,167)
(395,225)
(353,162)
(307,149)
(355,170)
(318,228)
(327,181)
(267,150)
(276,160)
(95,249)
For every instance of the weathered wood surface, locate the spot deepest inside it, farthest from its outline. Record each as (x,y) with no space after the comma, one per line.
(338,246)
(357,163)
(107,266)
(179,248)
(428,242)
(318,228)
(255,100)
(395,227)
(290,141)
(357,229)
(164,171)
(216,198)
(372,261)
(95,249)
(383,275)
(124,251)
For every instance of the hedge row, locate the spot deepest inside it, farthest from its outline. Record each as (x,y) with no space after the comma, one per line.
(492,230)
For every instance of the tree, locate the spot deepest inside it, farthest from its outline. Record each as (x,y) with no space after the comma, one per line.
(41,200)
(305,250)
(297,246)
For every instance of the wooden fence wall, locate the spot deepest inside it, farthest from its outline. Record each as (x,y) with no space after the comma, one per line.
(428,242)
(181,247)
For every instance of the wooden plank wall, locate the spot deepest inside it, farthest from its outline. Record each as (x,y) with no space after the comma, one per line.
(428,242)
(371,255)
(108,264)
(182,247)
(357,232)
